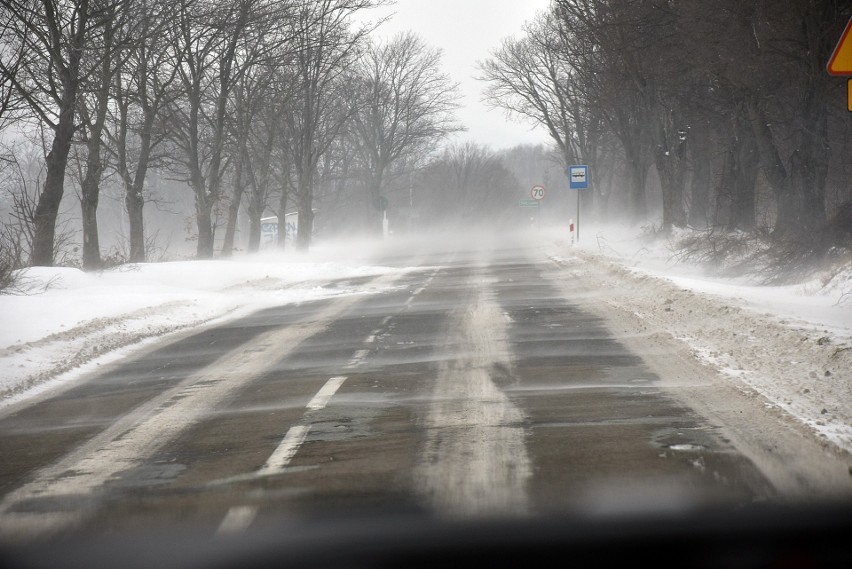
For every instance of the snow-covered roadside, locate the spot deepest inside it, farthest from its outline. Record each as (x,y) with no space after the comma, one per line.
(63,322)
(792,344)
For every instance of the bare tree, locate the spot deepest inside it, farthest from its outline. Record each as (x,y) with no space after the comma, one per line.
(403,106)
(325,46)
(795,46)
(92,104)
(54,34)
(144,86)
(483,191)
(247,100)
(12,57)
(218,41)
(531,78)
(256,125)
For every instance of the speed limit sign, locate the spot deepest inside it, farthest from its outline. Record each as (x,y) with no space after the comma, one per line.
(537,192)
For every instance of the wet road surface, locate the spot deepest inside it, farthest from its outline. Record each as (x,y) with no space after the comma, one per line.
(474,386)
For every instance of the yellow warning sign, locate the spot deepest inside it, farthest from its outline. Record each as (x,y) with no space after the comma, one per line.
(841,60)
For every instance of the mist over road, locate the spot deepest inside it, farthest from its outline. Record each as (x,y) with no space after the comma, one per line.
(490,381)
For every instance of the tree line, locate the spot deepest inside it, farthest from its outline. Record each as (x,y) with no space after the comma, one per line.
(252,104)
(722,112)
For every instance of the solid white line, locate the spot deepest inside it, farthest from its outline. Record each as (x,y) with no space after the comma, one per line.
(237,520)
(286,450)
(322,397)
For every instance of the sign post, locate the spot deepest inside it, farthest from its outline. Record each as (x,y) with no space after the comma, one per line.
(578,179)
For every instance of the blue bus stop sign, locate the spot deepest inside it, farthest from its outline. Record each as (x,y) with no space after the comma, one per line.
(578,177)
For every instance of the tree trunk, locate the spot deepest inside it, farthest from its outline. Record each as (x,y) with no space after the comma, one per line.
(203,216)
(669,161)
(204,220)
(744,199)
(282,213)
(256,206)
(306,212)
(134,199)
(91,185)
(254,228)
(699,195)
(47,209)
(90,190)
(91,243)
(671,184)
(701,159)
(233,216)
(638,171)
(234,209)
(135,204)
(776,173)
(809,168)
(374,212)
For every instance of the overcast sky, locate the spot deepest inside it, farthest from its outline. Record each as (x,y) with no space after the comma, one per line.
(466,31)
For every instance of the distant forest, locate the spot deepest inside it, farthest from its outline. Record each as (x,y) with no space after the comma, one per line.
(125,124)
(725,108)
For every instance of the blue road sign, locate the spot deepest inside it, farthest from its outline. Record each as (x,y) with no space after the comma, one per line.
(578,177)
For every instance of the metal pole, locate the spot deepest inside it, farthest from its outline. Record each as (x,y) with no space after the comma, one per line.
(578,215)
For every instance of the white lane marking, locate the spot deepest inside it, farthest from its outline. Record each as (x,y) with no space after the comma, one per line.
(136,436)
(237,520)
(357,359)
(320,400)
(359,356)
(285,451)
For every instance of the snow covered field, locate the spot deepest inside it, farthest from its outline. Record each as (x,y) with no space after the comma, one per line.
(791,345)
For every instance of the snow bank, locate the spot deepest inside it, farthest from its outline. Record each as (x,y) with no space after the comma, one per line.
(59,319)
(791,344)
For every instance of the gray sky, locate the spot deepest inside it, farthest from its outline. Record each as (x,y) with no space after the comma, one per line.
(466,31)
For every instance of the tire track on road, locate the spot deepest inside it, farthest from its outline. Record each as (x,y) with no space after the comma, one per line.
(62,495)
(475,460)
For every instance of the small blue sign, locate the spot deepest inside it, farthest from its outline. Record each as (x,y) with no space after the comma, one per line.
(578,177)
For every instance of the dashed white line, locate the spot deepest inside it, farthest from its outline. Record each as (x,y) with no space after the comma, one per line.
(237,520)
(320,400)
(357,358)
(285,451)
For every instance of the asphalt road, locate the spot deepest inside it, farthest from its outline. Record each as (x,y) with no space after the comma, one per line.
(479,385)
